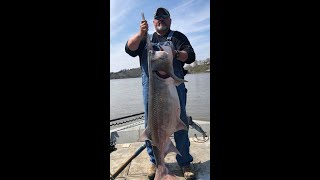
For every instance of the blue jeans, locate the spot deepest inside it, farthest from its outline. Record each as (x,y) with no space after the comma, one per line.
(181,137)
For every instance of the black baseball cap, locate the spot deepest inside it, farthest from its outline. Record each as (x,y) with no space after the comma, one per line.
(163,10)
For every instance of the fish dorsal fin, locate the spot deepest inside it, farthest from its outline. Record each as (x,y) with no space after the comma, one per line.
(145,135)
(172,148)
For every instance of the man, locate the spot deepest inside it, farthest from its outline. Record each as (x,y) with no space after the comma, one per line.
(183,53)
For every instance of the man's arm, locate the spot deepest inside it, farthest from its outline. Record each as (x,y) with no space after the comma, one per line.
(183,55)
(185,50)
(134,41)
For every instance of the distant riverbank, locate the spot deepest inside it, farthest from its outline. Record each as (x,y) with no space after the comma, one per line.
(196,67)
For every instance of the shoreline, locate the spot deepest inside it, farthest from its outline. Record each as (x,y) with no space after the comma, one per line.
(140,75)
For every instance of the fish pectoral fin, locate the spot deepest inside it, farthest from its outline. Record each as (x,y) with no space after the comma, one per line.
(145,135)
(178,81)
(172,148)
(180,125)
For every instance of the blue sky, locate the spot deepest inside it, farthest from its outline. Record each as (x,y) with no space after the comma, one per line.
(191,17)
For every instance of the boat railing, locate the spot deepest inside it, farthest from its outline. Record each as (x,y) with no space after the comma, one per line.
(125,119)
(129,121)
(124,123)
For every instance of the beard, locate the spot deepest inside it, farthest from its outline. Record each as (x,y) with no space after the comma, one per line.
(162,26)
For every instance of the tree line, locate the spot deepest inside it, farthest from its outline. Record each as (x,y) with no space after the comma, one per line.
(200,66)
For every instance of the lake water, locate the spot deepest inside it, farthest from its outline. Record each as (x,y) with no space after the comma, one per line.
(126,96)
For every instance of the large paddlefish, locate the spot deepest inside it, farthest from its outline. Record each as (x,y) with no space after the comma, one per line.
(163,109)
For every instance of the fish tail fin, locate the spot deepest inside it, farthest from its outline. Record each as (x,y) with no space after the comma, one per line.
(170,177)
(162,173)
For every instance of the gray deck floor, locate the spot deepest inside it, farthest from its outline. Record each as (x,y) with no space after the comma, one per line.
(137,169)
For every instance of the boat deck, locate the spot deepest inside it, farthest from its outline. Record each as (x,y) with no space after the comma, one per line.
(138,168)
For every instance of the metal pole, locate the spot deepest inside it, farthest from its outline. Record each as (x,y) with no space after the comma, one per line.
(128,161)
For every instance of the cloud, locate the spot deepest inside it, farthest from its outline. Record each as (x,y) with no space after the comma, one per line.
(182,6)
(119,13)
(190,22)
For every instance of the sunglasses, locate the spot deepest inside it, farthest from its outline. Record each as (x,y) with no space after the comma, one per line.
(163,16)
